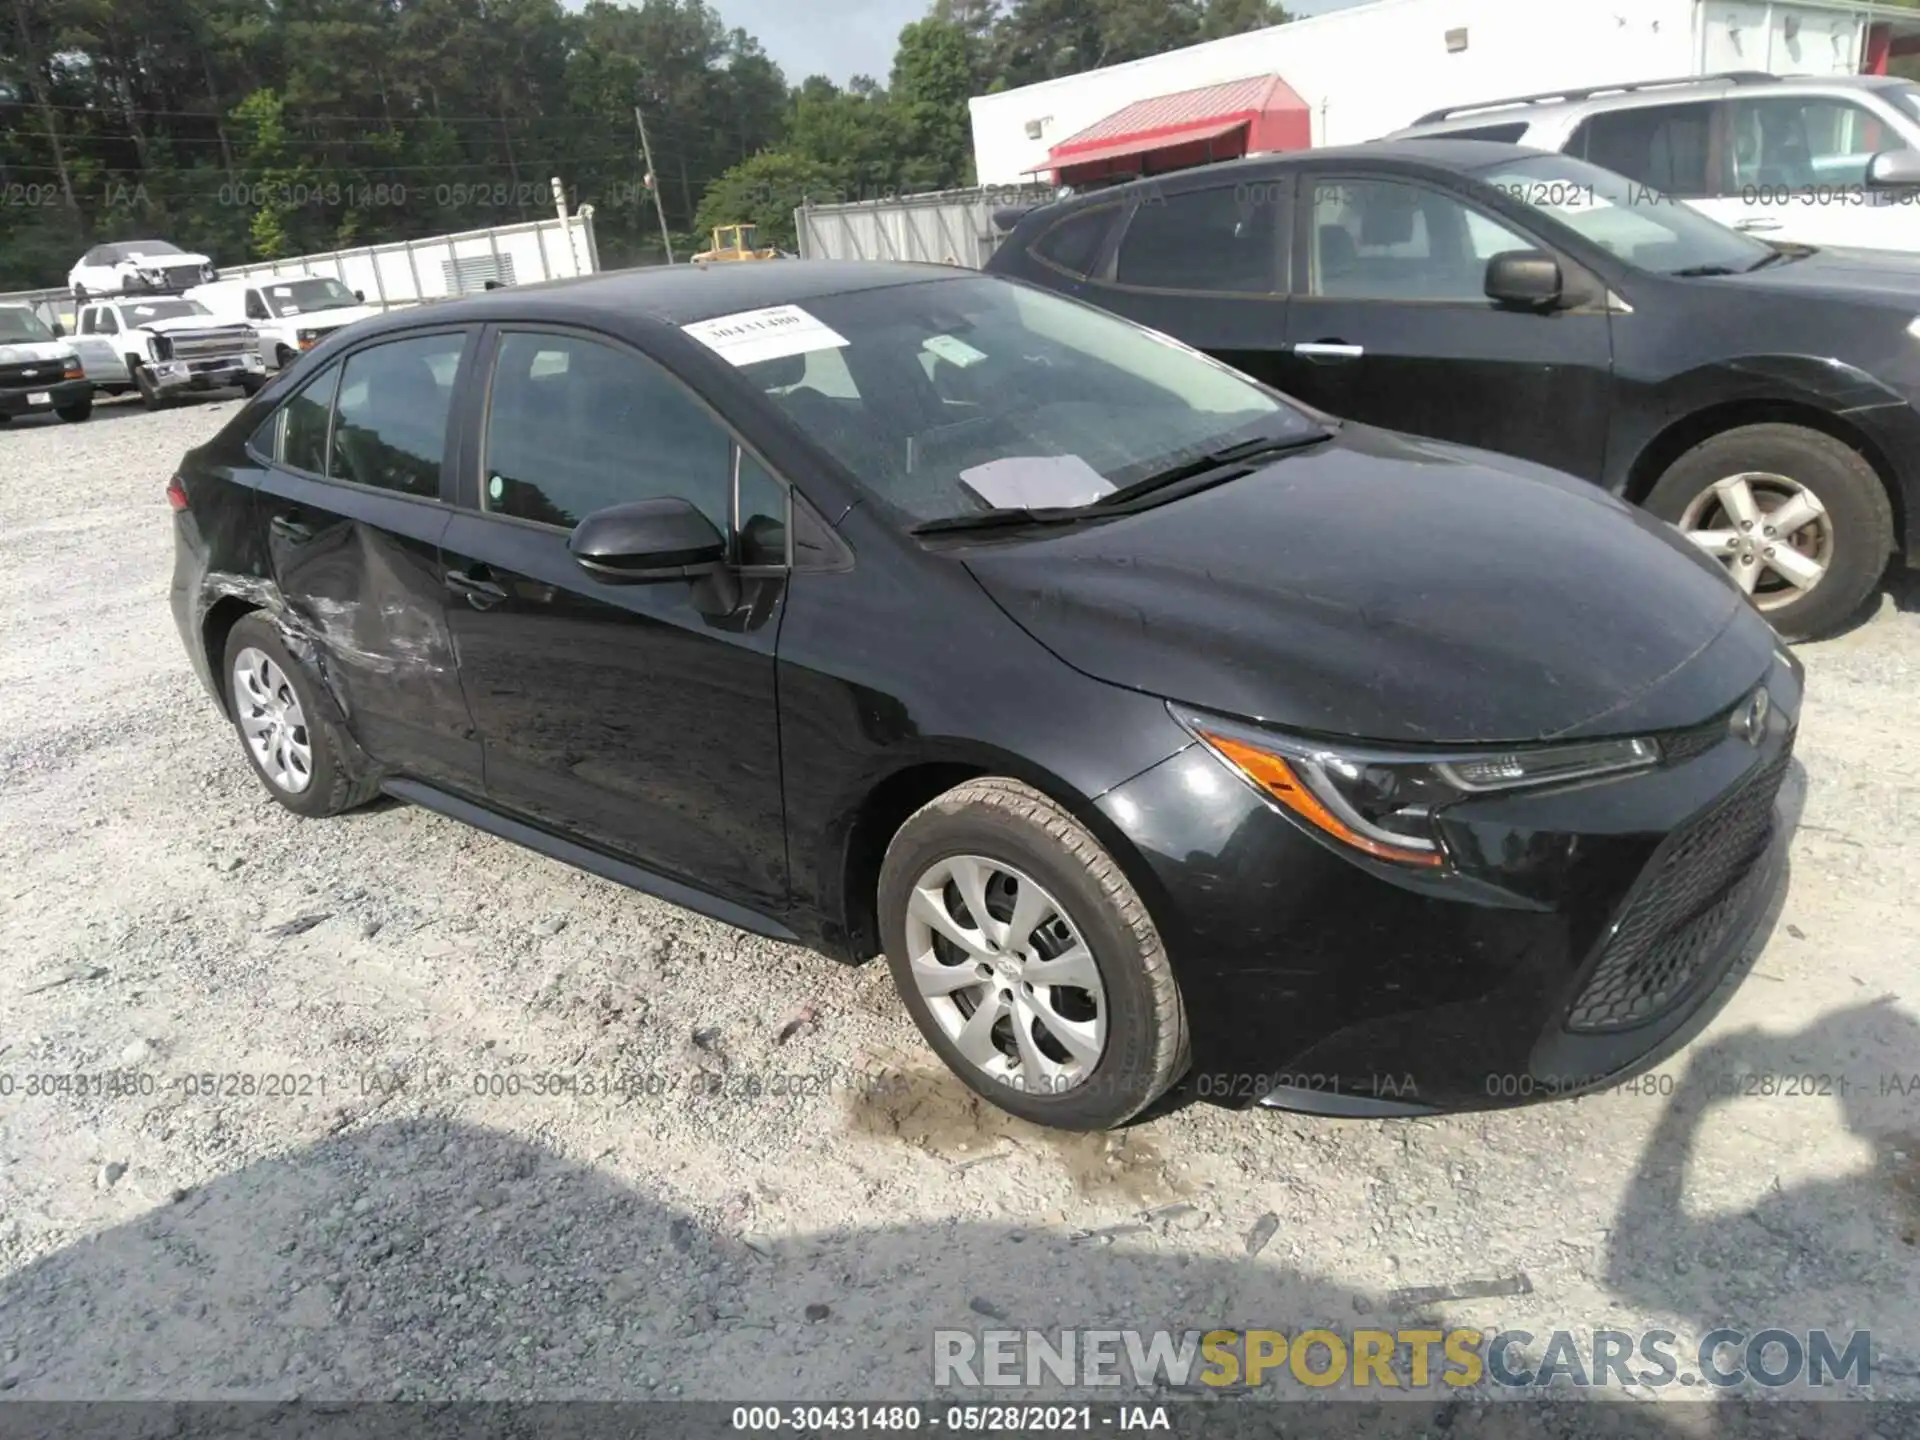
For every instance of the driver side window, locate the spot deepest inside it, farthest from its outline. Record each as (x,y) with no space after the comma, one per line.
(1386,240)
(256,307)
(575,425)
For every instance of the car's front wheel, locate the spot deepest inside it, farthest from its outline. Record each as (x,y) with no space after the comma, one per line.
(73,414)
(290,742)
(1799,518)
(150,395)
(1028,960)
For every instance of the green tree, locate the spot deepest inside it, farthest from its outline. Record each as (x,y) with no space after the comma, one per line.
(765,191)
(933,75)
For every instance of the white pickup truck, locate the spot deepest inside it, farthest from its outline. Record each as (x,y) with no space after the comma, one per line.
(163,346)
(291,315)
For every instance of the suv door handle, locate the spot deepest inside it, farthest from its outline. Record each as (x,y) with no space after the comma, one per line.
(288,528)
(481,594)
(1328,351)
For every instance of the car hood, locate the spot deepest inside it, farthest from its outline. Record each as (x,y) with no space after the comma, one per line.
(1887,277)
(331,319)
(187,325)
(1394,589)
(22,352)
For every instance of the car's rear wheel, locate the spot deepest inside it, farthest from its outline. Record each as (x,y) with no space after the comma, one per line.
(75,413)
(284,355)
(1028,960)
(1799,518)
(289,740)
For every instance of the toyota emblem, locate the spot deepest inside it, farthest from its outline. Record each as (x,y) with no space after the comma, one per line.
(1750,720)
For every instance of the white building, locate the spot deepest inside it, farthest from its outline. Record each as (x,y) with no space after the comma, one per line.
(1361,72)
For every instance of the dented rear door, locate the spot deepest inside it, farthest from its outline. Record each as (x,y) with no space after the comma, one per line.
(354,515)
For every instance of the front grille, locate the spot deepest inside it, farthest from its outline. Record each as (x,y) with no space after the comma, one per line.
(179,277)
(32,372)
(1693,889)
(233,340)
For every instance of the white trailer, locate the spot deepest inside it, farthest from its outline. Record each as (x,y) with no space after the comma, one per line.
(1365,71)
(951,227)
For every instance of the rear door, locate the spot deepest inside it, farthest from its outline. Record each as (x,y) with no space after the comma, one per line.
(353,501)
(639,717)
(1390,324)
(97,343)
(1207,265)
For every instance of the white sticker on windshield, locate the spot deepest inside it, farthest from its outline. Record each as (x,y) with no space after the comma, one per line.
(750,336)
(1035,482)
(953,348)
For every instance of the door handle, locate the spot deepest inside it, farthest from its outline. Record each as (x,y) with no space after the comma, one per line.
(481,594)
(1756,222)
(288,528)
(1331,352)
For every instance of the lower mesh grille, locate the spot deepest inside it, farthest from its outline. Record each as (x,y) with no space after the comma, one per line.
(1693,889)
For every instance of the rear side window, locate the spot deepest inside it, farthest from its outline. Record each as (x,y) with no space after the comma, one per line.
(1666,146)
(303,421)
(1210,240)
(1073,244)
(574,426)
(391,427)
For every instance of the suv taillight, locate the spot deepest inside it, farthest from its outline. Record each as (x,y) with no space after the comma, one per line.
(177,493)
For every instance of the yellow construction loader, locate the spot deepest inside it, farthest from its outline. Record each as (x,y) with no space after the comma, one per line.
(735,242)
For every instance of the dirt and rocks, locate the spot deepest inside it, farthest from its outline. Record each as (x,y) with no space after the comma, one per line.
(332,1133)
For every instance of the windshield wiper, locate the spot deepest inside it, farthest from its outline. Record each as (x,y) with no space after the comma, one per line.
(1004,517)
(1772,257)
(1698,272)
(1205,464)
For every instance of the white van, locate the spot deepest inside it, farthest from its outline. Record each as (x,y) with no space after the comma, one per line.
(291,315)
(39,372)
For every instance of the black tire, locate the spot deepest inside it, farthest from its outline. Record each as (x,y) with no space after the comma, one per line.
(1858,510)
(331,786)
(74,414)
(283,356)
(150,395)
(79,294)
(1146,1032)
(253,384)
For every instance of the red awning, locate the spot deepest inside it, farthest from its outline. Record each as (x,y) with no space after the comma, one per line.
(1264,105)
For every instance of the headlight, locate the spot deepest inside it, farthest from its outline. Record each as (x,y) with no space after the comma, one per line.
(1384,802)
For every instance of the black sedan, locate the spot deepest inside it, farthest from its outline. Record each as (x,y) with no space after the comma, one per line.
(1152,725)
(1760,397)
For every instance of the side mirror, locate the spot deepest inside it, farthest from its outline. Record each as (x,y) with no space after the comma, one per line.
(361,296)
(1893,169)
(59,330)
(664,539)
(1525,279)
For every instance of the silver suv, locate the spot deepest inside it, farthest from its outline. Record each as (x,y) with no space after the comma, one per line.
(1813,160)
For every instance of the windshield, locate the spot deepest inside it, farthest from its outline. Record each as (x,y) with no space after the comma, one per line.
(1635,222)
(303,297)
(145,310)
(134,249)
(21,326)
(956,397)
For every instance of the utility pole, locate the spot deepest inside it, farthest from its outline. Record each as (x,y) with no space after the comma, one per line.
(653,182)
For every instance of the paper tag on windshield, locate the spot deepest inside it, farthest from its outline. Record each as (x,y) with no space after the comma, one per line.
(954,349)
(750,336)
(1036,482)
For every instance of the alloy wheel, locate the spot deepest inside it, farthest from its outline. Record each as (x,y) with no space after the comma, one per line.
(1006,975)
(272,721)
(1771,532)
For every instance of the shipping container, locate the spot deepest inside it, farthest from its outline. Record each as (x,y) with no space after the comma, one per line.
(951,227)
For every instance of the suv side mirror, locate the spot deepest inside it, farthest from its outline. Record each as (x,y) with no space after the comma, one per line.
(361,296)
(59,330)
(1525,279)
(1892,169)
(663,539)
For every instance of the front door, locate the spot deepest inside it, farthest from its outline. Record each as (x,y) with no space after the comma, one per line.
(354,515)
(1390,325)
(638,717)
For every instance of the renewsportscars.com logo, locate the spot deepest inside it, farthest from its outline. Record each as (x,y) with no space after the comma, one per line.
(1408,1360)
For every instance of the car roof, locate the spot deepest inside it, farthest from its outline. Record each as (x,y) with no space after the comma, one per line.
(680,294)
(1506,109)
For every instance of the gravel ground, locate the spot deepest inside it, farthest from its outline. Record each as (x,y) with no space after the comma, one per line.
(388,1229)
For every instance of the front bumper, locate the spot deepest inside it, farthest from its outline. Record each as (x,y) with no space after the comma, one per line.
(217,373)
(59,393)
(1575,936)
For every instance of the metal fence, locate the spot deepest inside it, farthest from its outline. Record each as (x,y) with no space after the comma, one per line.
(410,272)
(953,227)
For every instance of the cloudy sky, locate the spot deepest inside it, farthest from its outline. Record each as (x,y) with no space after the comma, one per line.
(844,38)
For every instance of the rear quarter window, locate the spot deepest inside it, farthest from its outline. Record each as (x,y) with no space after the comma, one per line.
(1073,242)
